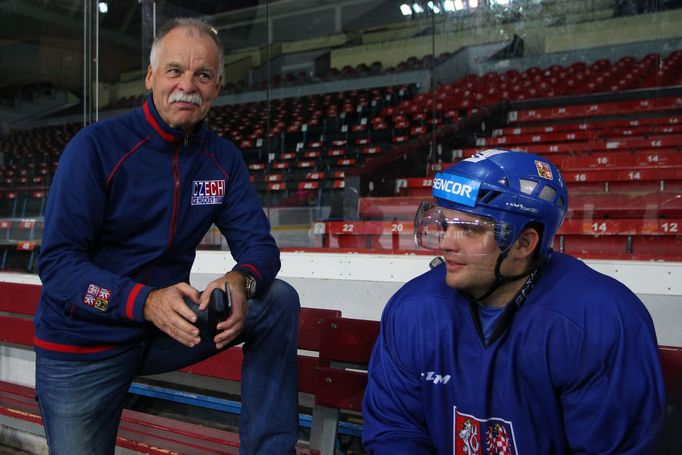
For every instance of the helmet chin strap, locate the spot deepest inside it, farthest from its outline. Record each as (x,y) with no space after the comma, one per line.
(500,280)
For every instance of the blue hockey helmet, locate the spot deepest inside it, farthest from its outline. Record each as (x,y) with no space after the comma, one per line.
(514,189)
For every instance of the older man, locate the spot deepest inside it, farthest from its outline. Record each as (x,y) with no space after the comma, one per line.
(131,200)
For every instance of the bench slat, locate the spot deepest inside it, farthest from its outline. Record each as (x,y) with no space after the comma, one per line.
(16,330)
(341,389)
(19,298)
(348,340)
(310,326)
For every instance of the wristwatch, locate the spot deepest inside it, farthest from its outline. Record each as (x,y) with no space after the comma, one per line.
(249,284)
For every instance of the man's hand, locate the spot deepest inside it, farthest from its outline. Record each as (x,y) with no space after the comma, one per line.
(167,310)
(231,327)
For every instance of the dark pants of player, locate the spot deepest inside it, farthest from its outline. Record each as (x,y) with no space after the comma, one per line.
(82,402)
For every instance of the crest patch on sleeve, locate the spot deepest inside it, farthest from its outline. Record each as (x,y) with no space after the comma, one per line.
(97,297)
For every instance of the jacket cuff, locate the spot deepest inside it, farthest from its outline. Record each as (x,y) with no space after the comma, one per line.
(251,270)
(134,302)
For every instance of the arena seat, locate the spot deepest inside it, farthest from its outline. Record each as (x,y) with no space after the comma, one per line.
(34,203)
(8,204)
(636,238)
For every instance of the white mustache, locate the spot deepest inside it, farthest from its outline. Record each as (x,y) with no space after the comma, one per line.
(193,98)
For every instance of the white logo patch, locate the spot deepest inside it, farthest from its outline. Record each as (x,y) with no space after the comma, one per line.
(208,192)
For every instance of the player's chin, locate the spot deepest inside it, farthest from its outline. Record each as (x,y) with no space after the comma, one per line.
(456,279)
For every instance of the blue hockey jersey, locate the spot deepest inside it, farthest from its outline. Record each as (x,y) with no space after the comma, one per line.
(577,371)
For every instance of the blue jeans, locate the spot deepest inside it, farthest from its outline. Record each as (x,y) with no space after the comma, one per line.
(82,402)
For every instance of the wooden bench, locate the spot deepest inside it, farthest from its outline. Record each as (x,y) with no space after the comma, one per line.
(345,347)
(146,433)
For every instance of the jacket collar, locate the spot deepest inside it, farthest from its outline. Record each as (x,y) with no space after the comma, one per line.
(160,128)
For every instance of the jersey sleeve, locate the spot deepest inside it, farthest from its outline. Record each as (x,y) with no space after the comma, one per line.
(246,228)
(73,217)
(393,414)
(615,401)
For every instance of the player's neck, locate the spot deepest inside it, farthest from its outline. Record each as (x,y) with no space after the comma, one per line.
(504,294)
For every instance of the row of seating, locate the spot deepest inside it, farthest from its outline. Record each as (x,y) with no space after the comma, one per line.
(640,159)
(628,238)
(580,78)
(595,109)
(665,145)
(588,206)
(316,114)
(30,157)
(600,127)
(21,203)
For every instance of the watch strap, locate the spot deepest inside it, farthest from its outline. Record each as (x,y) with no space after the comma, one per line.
(250,283)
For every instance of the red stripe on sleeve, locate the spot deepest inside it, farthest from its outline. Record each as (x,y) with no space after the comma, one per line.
(130,304)
(252,268)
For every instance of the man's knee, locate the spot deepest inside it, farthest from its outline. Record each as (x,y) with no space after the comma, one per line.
(283,305)
(285,296)
(274,314)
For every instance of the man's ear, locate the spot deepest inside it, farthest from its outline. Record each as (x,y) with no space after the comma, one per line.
(148,78)
(526,243)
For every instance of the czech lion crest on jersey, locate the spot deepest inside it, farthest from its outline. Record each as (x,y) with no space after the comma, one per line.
(474,436)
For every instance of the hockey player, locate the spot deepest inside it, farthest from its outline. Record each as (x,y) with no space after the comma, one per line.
(507,347)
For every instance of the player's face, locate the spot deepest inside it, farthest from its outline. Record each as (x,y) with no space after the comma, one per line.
(185,80)
(470,252)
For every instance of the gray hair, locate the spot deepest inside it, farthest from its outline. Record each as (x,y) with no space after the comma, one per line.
(191,23)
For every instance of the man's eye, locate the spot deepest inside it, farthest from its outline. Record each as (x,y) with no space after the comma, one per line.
(473,229)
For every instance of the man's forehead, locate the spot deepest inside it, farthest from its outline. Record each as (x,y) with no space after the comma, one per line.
(175,44)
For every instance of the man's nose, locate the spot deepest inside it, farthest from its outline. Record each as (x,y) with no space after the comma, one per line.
(186,83)
(451,239)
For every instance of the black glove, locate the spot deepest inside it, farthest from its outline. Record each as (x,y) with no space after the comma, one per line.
(219,306)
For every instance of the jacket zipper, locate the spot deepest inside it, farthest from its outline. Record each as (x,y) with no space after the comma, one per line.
(176,194)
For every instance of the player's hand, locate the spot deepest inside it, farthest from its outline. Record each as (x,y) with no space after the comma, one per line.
(167,310)
(231,327)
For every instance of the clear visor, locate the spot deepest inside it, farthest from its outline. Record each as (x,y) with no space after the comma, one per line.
(439,229)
